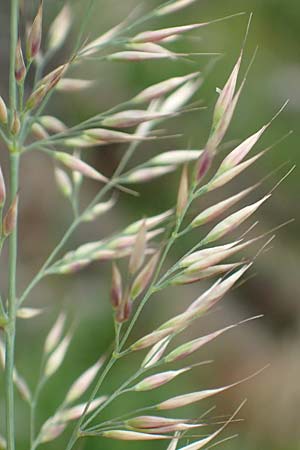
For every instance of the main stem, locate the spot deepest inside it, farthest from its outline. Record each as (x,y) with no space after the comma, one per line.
(14,183)
(12,307)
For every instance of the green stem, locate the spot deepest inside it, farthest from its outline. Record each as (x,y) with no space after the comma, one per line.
(12,307)
(114,180)
(154,285)
(76,432)
(14,19)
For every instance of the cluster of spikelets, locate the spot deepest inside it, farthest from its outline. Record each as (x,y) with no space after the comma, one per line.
(27,128)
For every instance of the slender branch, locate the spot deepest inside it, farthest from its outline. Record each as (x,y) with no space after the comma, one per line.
(14,19)
(12,306)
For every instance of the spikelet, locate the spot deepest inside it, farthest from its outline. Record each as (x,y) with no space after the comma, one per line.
(116,292)
(59,28)
(174,7)
(138,253)
(56,358)
(10,218)
(28,313)
(216,210)
(55,334)
(3,112)
(63,182)
(183,192)
(233,221)
(159,379)
(2,189)
(20,68)
(35,35)
(164,87)
(144,277)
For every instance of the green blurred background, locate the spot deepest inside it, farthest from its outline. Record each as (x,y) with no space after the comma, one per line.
(272,411)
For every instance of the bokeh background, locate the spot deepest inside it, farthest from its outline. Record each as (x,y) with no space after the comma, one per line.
(272,411)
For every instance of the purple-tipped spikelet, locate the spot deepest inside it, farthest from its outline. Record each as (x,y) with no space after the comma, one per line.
(20,68)
(116,287)
(34,39)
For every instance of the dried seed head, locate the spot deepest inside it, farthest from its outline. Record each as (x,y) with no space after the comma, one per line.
(151,339)
(63,182)
(224,177)
(174,7)
(124,310)
(60,28)
(209,298)
(122,435)
(239,153)
(52,78)
(55,360)
(226,95)
(51,431)
(92,47)
(104,136)
(35,35)
(76,164)
(162,88)
(37,97)
(185,350)
(99,209)
(233,221)
(144,277)
(213,256)
(80,386)
(73,85)
(159,35)
(116,287)
(156,352)
(200,255)
(159,379)
(20,68)
(193,276)
(53,124)
(150,222)
(138,253)
(175,101)
(3,112)
(204,164)
(131,118)
(71,268)
(149,47)
(148,174)
(218,133)
(188,399)
(28,313)
(39,131)
(10,219)
(66,415)
(135,56)
(215,211)
(22,386)
(15,125)
(183,192)
(55,334)
(2,189)
(145,422)
(175,157)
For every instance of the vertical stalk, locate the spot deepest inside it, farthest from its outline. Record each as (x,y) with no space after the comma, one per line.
(14,182)
(14,19)
(11,326)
